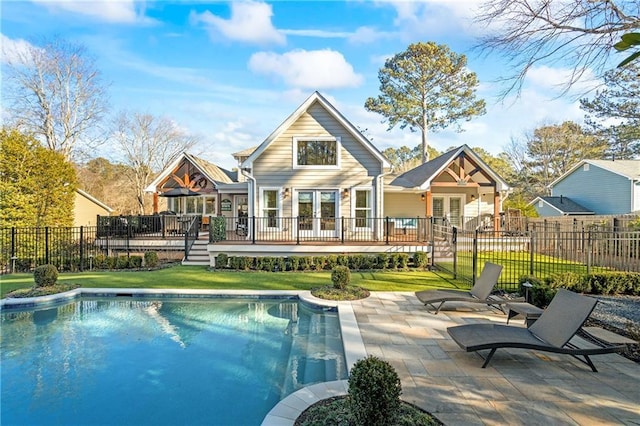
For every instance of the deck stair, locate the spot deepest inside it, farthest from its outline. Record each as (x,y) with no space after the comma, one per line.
(442,249)
(198,255)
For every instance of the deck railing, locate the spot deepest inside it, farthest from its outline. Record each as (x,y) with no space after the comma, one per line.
(339,230)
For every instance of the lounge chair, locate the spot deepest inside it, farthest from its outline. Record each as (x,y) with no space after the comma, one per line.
(552,332)
(480,293)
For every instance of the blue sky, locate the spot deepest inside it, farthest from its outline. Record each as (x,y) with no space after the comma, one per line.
(232,72)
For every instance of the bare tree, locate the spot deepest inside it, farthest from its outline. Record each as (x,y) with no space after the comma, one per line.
(148,144)
(56,93)
(579,34)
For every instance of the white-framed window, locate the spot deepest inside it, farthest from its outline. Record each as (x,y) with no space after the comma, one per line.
(316,153)
(362,207)
(270,202)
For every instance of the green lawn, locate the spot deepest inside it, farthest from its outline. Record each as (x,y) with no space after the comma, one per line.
(199,277)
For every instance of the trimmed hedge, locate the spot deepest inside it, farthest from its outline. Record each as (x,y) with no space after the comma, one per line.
(355,262)
(605,283)
(45,275)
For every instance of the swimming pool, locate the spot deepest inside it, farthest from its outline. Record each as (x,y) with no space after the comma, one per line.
(168,361)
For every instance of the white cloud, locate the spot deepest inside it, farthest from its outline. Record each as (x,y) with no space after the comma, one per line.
(315,69)
(367,35)
(250,22)
(14,51)
(113,11)
(556,79)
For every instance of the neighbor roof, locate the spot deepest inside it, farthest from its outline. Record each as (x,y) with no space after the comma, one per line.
(94,200)
(564,205)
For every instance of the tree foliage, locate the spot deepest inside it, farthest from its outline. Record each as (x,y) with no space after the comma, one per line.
(547,153)
(148,144)
(56,94)
(614,112)
(108,182)
(405,158)
(37,185)
(427,87)
(576,34)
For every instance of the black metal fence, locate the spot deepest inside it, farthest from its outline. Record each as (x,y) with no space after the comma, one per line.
(537,253)
(68,248)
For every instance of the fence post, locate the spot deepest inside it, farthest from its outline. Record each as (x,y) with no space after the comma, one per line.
(81,266)
(13,249)
(475,256)
(46,246)
(531,252)
(454,250)
(386,226)
(589,251)
(186,243)
(342,228)
(298,230)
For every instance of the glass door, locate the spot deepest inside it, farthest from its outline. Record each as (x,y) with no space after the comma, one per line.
(448,207)
(317,212)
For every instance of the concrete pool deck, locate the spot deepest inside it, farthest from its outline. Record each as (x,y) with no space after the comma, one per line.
(520,387)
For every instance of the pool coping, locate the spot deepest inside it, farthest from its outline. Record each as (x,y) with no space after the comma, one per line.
(288,409)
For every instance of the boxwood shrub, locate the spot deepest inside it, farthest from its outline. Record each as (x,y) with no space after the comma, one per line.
(45,275)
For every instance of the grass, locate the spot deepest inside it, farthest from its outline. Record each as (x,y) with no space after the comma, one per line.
(200,277)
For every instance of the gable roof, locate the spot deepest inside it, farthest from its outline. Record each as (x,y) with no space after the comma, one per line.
(627,168)
(209,170)
(94,200)
(316,97)
(564,205)
(422,175)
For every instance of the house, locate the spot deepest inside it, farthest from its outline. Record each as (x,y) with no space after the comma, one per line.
(87,208)
(316,185)
(600,187)
(558,206)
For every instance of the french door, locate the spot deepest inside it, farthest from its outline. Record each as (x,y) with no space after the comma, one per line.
(449,207)
(317,212)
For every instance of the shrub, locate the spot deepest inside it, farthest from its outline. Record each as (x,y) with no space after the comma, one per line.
(374,392)
(45,275)
(265,263)
(394,260)
(368,262)
(122,262)
(382,261)
(306,263)
(135,262)
(279,264)
(222,260)
(294,263)
(151,259)
(100,261)
(403,260)
(343,260)
(218,228)
(332,262)
(420,259)
(341,277)
(355,261)
(319,262)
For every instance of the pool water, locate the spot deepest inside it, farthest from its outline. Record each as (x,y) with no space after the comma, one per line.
(163,362)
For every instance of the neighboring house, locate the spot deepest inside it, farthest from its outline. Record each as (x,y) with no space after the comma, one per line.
(603,187)
(86,209)
(559,206)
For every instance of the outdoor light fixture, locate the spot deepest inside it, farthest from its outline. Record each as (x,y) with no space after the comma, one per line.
(345,193)
(286,192)
(422,197)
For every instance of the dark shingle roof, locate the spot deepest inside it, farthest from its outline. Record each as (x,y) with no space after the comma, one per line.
(422,173)
(566,205)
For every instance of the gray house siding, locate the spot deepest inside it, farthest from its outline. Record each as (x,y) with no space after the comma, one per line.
(597,189)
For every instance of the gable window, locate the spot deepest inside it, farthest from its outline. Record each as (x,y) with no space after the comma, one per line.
(320,152)
(363,208)
(270,207)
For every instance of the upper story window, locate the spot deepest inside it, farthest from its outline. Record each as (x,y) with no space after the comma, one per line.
(319,152)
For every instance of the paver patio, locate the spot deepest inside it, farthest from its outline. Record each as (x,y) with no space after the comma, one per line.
(520,387)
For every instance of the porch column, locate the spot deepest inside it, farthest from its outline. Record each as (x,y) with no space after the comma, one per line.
(496,212)
(155,202)
(428,203)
